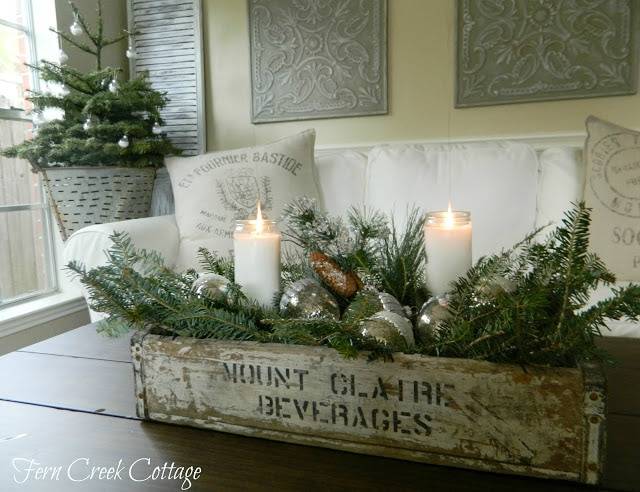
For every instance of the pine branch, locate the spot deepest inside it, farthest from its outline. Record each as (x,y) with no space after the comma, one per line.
(81,46)
(527,305)
(85,27)
(573,239)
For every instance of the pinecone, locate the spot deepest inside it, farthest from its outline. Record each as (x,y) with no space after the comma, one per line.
(345,284)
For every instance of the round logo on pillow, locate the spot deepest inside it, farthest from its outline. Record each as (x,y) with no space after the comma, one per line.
(615,173)
(240,190)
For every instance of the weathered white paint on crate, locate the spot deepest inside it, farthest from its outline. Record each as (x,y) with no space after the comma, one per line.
(539,421)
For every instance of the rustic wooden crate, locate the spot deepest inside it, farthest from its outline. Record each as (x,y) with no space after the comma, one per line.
(542,422)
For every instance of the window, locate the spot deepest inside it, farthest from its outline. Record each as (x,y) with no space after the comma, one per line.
(26,249)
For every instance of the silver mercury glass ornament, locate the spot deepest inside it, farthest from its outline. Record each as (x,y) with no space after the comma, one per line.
(113,86)
(306,298)
(123,142)
(156,129)
(430,318)
(211,285)
(62,57)
(389,328)
(75,28)
(382,301)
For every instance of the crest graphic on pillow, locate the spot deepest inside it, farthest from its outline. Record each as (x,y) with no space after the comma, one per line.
(240,191)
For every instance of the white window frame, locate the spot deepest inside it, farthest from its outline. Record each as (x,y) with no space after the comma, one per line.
(16,114)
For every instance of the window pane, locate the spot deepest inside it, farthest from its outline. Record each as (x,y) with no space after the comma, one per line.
(23,254)
(14,75)
(13,11)
(18,185)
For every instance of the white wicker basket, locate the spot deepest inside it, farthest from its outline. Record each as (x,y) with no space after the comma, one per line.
(83,196)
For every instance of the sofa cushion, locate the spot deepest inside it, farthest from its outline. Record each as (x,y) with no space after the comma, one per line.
(496,182)
(561,182)
(214,190)
(341,175)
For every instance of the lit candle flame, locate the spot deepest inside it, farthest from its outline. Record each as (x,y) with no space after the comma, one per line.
(259,221)
(448,221)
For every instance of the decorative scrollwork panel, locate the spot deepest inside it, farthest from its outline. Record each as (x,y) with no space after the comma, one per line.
(527,50)
(317,58)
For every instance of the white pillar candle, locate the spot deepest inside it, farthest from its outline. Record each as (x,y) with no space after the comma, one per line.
(256,246)
(447,238)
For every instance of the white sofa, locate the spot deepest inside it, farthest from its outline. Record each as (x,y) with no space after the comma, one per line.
(510,187)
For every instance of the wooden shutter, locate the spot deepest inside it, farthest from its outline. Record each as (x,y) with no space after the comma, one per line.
(169,48)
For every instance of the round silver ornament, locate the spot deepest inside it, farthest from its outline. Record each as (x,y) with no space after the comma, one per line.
(124,142)
(391,304)
(75,28)
(489,288)
(306,298)
(211,285)
(389,328)
(380,301)
(131,52)
(62,57)
(431,315)
(113,86)
(156,129)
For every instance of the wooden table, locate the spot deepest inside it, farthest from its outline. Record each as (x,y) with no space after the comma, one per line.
(71,398)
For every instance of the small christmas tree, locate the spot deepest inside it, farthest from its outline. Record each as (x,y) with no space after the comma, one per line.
(106,122)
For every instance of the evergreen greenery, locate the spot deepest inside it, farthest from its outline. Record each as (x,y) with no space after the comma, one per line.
(369,244)
(527,305)
(131,110)
(139,292)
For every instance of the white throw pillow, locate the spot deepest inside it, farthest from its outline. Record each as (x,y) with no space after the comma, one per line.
(612,156)
(496,182)
(214,190)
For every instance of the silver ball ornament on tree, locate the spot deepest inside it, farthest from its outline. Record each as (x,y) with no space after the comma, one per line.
(113,86)
(306,298)
(156,129)
(131,52)
(389,328)
(75,28)
(430,317)
(62,57)
(211,286)
(123,142)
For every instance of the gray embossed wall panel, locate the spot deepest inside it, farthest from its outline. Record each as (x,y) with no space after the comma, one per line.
(317,58)
(527,50)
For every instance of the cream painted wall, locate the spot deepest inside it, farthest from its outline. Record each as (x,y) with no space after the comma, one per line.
(115,19)
(421,69)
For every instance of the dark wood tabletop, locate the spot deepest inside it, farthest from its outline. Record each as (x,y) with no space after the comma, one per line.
(68,404)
